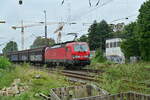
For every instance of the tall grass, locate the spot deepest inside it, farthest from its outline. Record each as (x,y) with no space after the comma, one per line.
(126,77)
(4,63)
(28,77)
(99,57)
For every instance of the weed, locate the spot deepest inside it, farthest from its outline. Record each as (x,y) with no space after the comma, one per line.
(28,77)
(126,77)
(4,63)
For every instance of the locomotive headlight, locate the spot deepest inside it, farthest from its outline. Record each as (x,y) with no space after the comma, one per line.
(86,56)
(74,56)
(77,56)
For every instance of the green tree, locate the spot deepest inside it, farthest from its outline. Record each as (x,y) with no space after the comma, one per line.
(92,36)
(117,34)
(10,47)
(130,46)
(83,38)
(40,41)
(144,30)
(130,30)
(98,33)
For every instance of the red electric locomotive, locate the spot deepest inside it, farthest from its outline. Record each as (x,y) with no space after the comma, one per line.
(69,54)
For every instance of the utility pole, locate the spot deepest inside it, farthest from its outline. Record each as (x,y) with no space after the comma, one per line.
(46,27)
(45,24)
(22,35)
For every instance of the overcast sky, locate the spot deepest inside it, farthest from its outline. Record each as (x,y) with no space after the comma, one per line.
(79,11)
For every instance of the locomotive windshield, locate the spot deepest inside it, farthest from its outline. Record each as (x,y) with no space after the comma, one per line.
(80,47)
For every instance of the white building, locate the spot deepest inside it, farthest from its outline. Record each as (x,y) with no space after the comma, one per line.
(113,50)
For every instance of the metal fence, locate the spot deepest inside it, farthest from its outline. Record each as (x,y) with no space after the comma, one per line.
(121,96)
(71,93)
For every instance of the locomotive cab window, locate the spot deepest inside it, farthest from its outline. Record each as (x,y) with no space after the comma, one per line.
(80,47)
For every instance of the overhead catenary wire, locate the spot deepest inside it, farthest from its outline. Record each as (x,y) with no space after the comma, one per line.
(127,17)
(91,10)
(62,2)
(95,4)
(89,2)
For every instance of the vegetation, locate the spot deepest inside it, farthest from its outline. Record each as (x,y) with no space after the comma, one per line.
(36,85)
(99,57)
(130,46)
(137,41)
(83,38)
(126,77)
(98,32)
(10,46)
(144,30)
(40,42)
(4,63)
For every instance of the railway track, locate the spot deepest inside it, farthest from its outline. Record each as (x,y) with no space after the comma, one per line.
(82,75)
(77,75)
(97,71)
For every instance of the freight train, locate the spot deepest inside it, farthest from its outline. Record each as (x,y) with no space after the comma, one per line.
(69,54)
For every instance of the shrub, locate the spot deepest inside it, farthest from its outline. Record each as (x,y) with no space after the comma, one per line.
(4,63)
(99,56)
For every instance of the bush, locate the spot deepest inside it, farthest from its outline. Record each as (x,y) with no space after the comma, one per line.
(4,63)
(99,56)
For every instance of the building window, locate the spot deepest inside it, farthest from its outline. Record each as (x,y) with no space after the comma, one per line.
(111,45)
(115,44)
(118,44)
(107,45)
